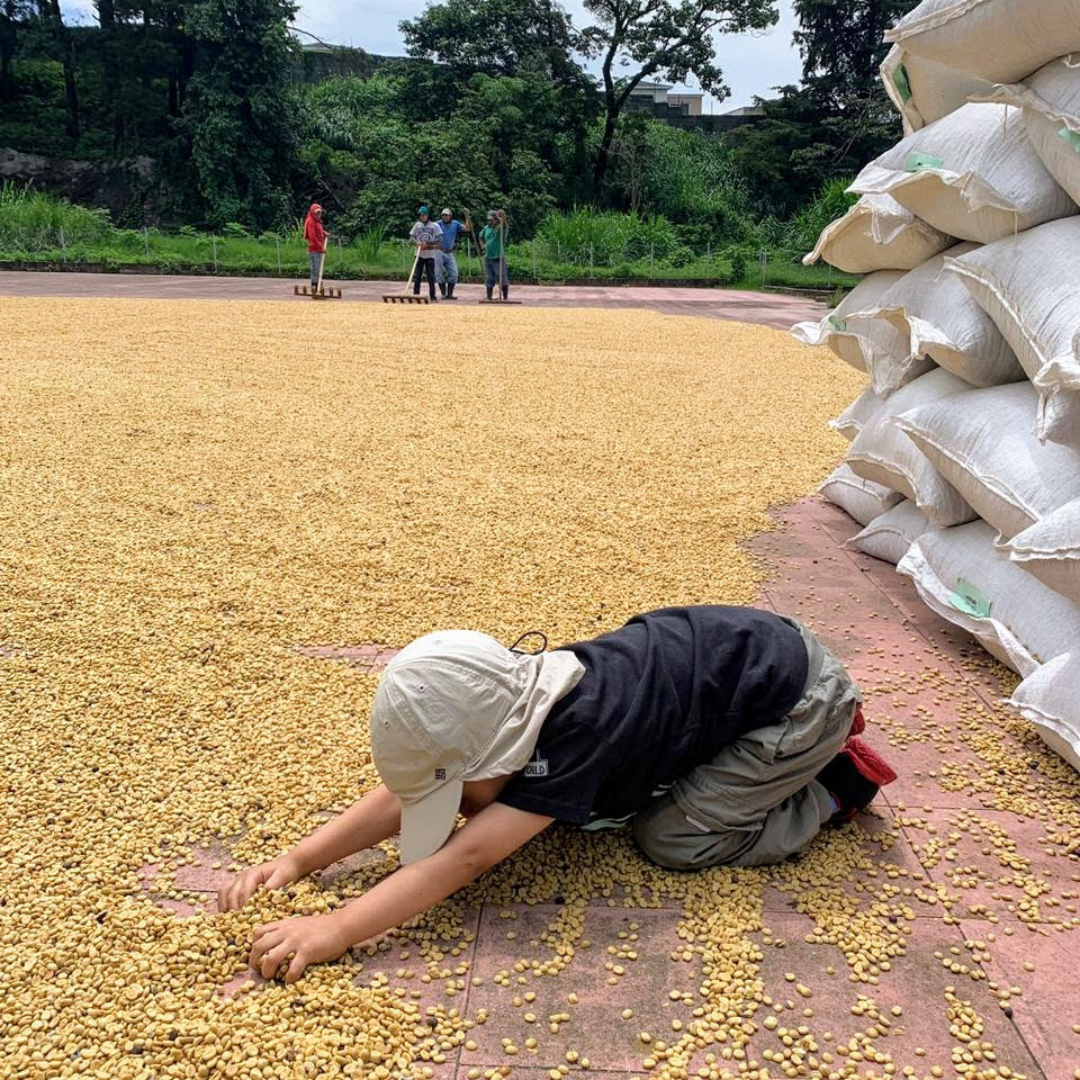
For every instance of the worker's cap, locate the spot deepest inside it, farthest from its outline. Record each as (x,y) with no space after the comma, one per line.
(455,706)
(423,210)
(446,212)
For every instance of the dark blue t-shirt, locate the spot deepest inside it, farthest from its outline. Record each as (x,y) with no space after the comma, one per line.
(659,696)
(451,230)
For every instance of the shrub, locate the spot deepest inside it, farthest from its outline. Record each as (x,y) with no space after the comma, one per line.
(35,221)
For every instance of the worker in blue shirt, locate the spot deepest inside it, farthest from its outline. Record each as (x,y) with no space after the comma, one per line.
(446,266)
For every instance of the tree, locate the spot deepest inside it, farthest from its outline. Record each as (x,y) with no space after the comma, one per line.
(53,20)
(238,109)
(529,40)
(842,46)
(667,38)
(837,119)
(13,16)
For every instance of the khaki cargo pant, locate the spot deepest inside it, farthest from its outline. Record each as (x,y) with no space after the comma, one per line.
(757,801)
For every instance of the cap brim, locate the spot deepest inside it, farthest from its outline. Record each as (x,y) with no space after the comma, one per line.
(426,825)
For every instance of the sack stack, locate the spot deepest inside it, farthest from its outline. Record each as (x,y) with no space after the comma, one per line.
(964,466)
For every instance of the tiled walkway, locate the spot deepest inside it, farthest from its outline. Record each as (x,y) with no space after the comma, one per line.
(765,309)
(977,840)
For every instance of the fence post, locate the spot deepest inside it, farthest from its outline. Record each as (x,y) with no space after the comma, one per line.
(277,248)
(146,241)
(340,255)
(591,256)
(213,241)
(652,256)
(763,259)
(532,249)
(63,246)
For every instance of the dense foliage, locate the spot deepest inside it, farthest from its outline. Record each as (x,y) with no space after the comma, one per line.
(494,106)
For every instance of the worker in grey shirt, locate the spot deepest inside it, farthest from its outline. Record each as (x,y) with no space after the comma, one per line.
(427,236)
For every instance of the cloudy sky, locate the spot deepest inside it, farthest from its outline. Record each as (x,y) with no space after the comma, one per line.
(752,63)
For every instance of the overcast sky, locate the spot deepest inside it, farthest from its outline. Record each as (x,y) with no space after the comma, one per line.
(752,63)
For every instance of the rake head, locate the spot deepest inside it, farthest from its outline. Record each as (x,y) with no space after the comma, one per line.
(324,293)
(402,298)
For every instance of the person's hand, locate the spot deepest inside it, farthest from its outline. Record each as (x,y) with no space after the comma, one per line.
(311,939)
(275,874)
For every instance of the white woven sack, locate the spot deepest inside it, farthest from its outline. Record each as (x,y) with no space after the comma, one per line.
(877,233)
(1051,103)
(941,322)
(884,454)
(858,498)
(1050,700)
(983,442)
(1030,286)
(851,344)
(924,91)
(890,536)
(857,415)
(998,40)
(1015,618)
(972,174)
(1050,551)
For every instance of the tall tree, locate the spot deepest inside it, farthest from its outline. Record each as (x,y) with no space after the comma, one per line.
(841,44)
(666,38)
(837,119)
(53,20)
(13,16)
(238,110)
(529,40)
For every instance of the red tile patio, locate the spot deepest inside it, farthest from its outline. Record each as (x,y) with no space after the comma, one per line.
(766,309)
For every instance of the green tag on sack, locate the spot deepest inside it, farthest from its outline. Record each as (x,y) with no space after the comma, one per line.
(902,83)
(839,325)
(970,600)
(1071,137)
(917,162)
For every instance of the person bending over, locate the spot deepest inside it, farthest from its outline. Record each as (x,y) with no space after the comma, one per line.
(718,735)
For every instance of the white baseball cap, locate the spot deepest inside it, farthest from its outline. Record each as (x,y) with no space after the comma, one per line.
(454,706)
(446,212)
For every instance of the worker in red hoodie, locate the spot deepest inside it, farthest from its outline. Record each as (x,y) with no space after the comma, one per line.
(317,238)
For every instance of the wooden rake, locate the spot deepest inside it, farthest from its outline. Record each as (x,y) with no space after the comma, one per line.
(318,292)
(406,297)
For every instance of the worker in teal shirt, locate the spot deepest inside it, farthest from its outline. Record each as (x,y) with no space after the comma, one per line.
(493,240)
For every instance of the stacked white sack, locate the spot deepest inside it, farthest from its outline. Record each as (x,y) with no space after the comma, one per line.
(1050,550)
(1030,286)
(883,454)
(974,175)
(1050,700)
(924,91)
(982,443)
(1001,41)
(941,324)
(964,463)
(855,345)
(877,233)
(890,535)
(1050,100)
(966,581)
(862,500)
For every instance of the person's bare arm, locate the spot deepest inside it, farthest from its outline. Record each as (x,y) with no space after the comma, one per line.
(366,823)
(486,839)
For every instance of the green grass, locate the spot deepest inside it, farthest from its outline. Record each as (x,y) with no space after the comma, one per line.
(580,246)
